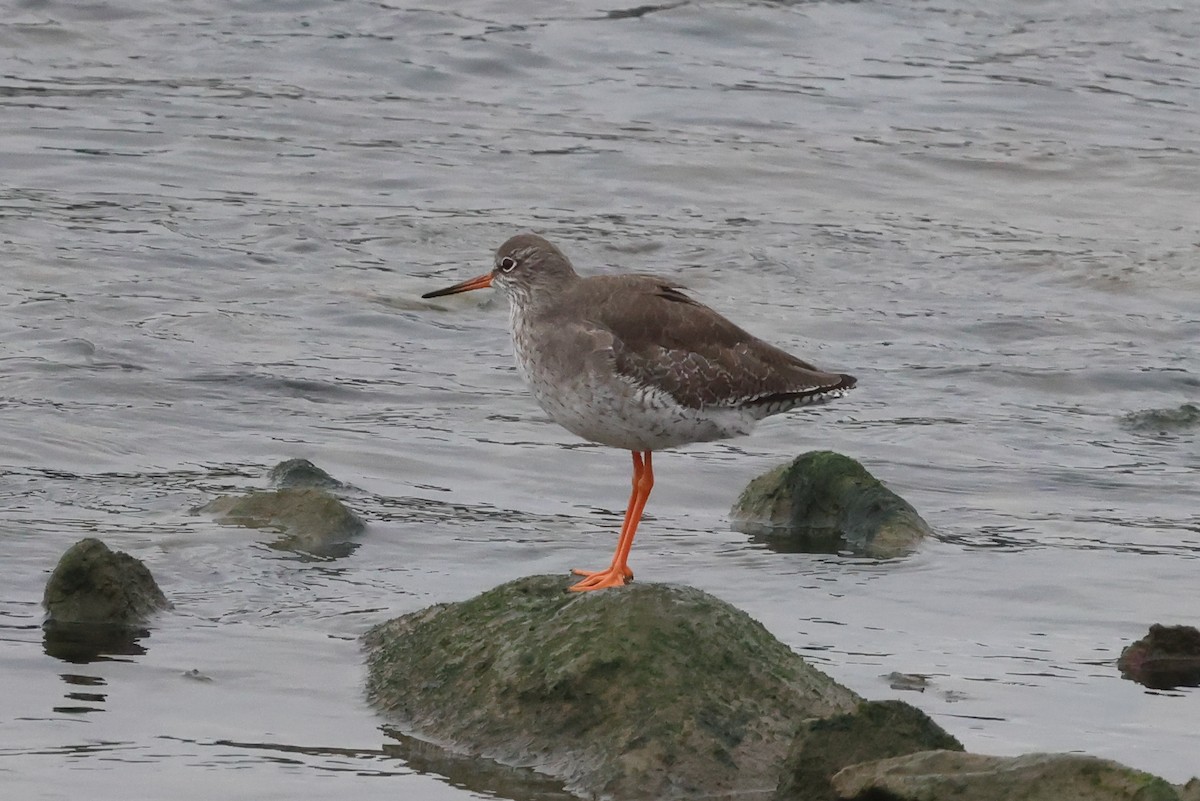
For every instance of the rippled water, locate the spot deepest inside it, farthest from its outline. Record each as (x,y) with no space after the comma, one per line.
(216,223)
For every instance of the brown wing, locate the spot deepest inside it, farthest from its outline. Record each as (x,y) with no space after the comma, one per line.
(665,339)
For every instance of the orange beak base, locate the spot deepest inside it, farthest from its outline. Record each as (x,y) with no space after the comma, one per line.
(480,282)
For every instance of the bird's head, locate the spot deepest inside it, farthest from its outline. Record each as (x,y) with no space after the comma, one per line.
(523,265)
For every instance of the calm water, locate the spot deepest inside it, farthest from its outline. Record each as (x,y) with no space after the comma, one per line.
(216,225)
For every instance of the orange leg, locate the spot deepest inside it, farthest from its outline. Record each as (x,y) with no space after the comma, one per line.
(633,494)
(618,573)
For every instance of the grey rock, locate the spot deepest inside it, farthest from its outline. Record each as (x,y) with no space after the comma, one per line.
(826,502)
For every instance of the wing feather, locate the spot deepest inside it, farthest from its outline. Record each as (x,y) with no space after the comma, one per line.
(665,339)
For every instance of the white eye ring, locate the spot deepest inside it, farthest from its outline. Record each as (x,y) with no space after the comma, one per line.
(507,264)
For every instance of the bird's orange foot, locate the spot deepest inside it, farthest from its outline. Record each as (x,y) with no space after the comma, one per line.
(625,571)
(601,579)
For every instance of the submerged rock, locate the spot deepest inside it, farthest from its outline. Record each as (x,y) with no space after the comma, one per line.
(1164,421)
(310,517)
(94,585)
(875,730)
(951,776)
(648,691)
(912,682)
(825,502)
(1168,656)
(311,520)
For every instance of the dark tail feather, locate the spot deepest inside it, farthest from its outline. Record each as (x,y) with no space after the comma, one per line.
(782,401)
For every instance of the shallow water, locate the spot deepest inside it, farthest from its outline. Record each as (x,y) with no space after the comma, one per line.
(217,223)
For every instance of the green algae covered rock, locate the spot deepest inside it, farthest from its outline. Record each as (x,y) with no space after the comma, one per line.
(874,730)
(94,585)
(951,775)
(826,502)
(646,691)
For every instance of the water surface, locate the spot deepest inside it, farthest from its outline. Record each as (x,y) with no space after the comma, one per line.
(217,223)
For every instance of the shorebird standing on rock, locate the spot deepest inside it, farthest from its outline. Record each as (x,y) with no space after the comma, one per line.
(632,362)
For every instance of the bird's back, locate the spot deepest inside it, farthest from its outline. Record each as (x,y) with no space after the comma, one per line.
(669,348)
(664,339)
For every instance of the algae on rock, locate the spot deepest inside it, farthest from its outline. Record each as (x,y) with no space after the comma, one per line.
(649,691)
(309,520)
(92,584)
(952,775)
(309,517)
(875,730)
(825,502)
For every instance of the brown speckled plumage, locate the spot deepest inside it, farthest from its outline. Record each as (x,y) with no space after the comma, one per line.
(632,362)
(654,346)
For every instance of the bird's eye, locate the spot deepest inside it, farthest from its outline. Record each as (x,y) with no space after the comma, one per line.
(507,264)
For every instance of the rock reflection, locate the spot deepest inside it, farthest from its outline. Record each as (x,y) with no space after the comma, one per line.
(96,698)
(477,775)
(83,643)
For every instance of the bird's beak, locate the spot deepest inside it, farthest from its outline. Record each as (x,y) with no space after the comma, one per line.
(479,282)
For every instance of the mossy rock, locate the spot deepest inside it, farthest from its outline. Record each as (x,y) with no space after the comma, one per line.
(311,519)
(951,775)
(875,730)
(825,502)
(646,691)
(94,585)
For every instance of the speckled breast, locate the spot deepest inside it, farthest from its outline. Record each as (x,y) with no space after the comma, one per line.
(589,398)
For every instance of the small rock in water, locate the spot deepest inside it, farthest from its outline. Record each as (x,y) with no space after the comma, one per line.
(301,473)
(916,682)
(1164,421)
(1167,657)
(825,502)
(92,584)
(311,518)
